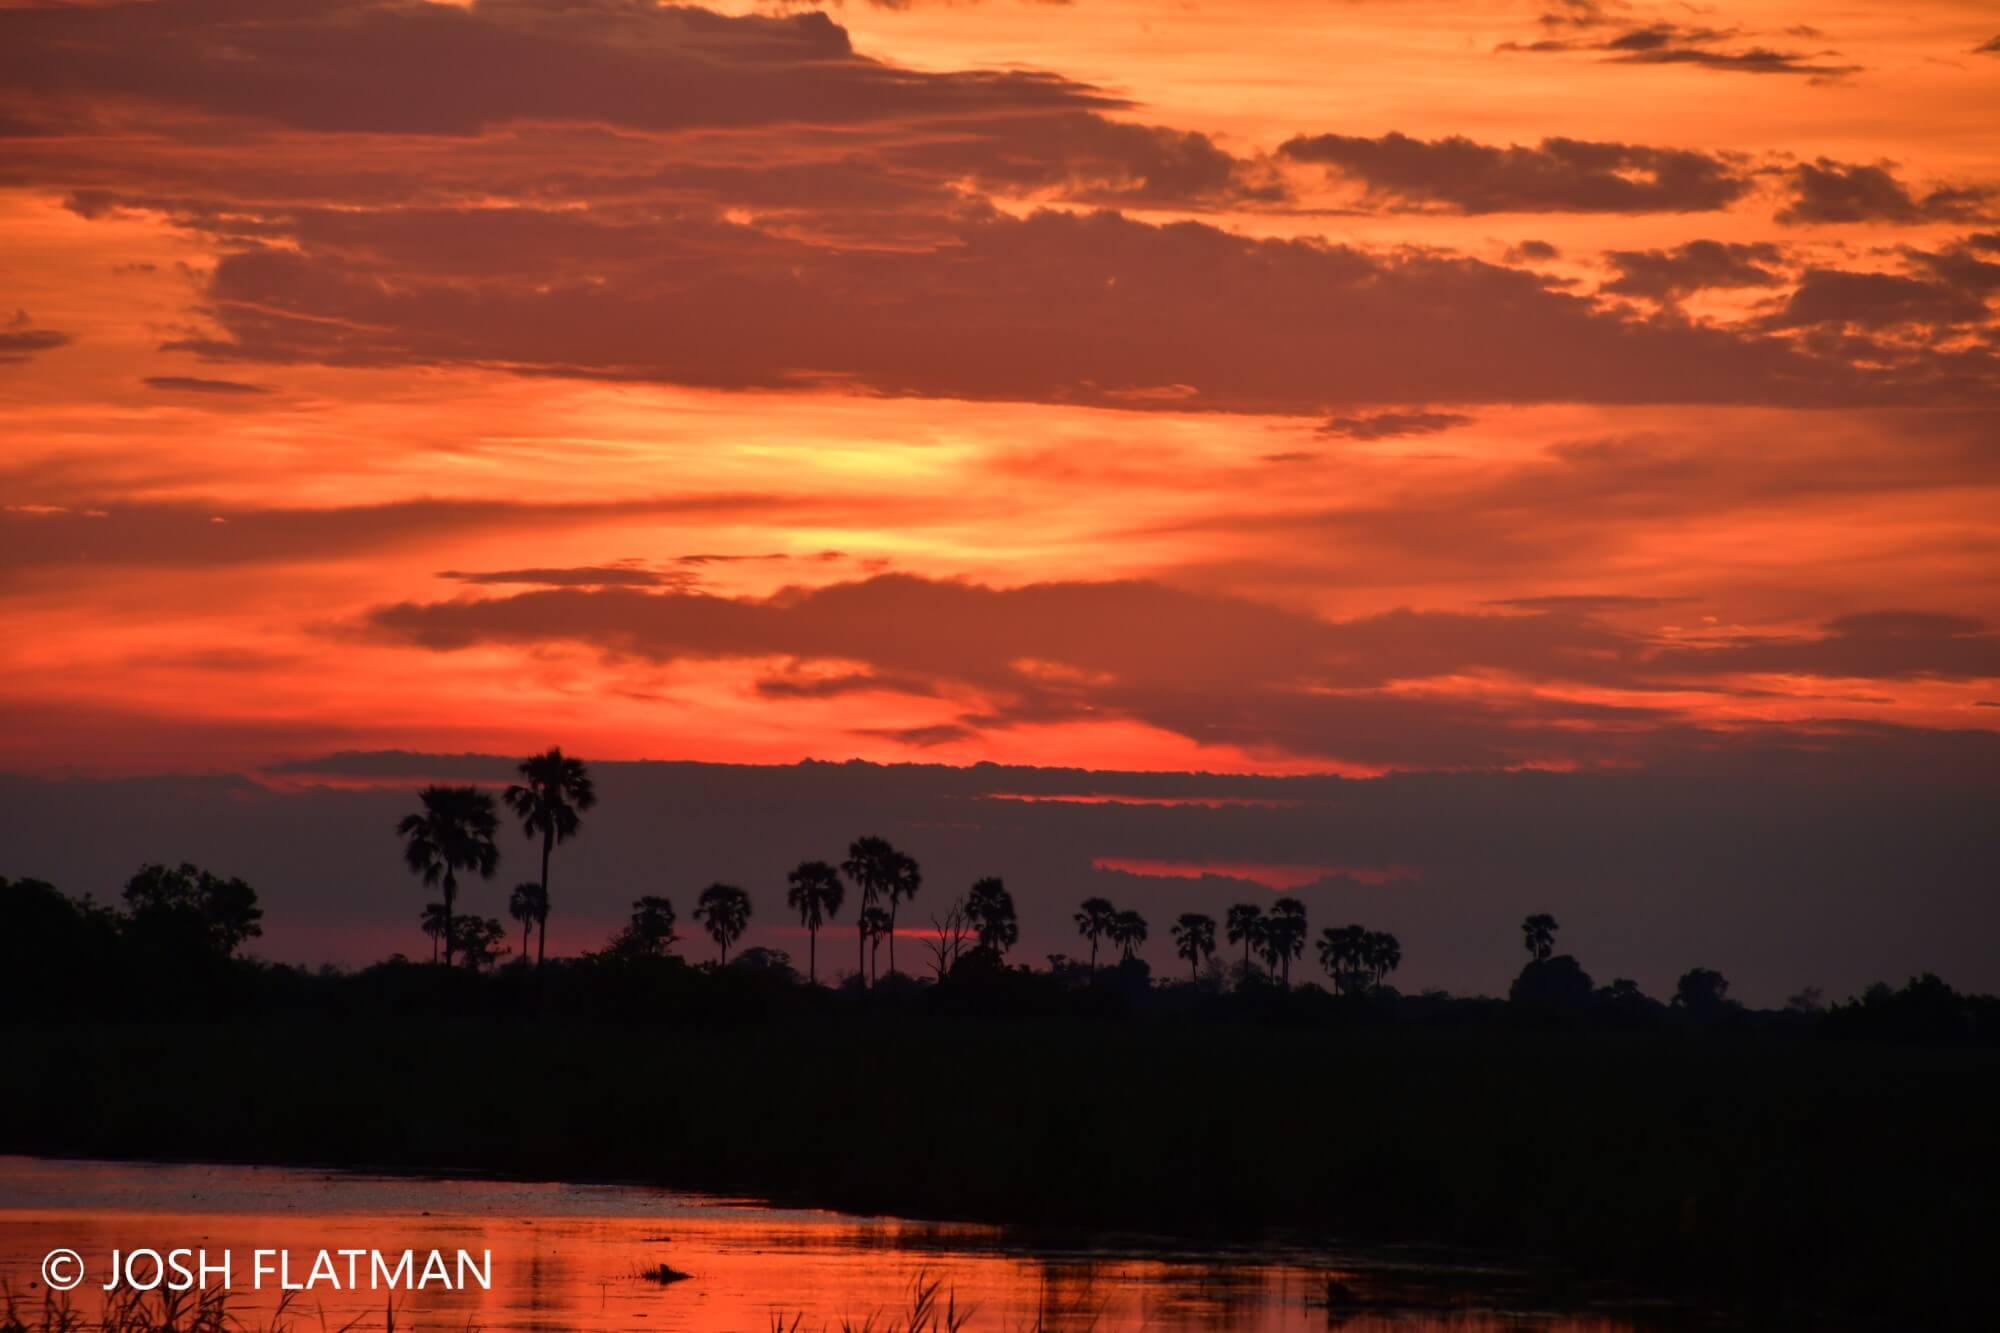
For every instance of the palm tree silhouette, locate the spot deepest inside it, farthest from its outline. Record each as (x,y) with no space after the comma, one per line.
(1538,933)
(1332,953)
(904,881)
(874,925)
(1246,927)
(453,832)
(725,910)
(1343,952)
(1094,919)
(871,864)
(553,790)
(1194,939)
(991,910)
(815,894)
(433,919)
(528,904)
(1128,931)
(1285,934)
(1382,953)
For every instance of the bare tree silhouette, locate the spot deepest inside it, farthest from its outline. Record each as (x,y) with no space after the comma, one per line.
(553,790)
(453,832)
(815,894)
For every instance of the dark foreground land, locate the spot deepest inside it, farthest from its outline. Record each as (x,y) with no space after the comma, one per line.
(1774,1170)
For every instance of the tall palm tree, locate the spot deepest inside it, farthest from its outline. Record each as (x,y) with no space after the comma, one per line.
(871,864)
(1285,934)
(453,832)
(1094,918)
(1344,953)
(991,909)
(528,904)
(553,790)
(1332,953)
(433,919)
(1538,933)
(904,881)
(725,910)
(815,894)
(1194,939)
(1128,931)
(1245,923)
(874,925)
(1383,954)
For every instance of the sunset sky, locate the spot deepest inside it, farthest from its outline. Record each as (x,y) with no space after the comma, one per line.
(1264,387)
(1243,387)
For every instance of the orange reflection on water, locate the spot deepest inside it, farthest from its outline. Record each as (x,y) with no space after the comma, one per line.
(575,1257)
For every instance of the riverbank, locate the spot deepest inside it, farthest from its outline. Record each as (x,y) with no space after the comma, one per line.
(1778,1174)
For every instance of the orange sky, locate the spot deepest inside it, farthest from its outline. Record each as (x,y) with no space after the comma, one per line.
(1257,387)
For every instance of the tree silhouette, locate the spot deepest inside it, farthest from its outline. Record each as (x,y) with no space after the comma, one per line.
(1538,933)
(1702,991)
(904,881)
(453,832)
(1285,934)
(1381,953)
(874,925)
(871,864)
(1094,919)
(815,894)
(724,910)
(1194,940)
(434,926)
(991,910)
(478,939)
(528,904)
(1128,932)
(189,910)
(553,790)
(650,932)
(1246,927)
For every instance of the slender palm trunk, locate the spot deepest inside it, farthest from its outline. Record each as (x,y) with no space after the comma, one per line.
(526,926)
(892,937)
(450,894)
(812,956)
(541,946)
(861,951)
(1093,953)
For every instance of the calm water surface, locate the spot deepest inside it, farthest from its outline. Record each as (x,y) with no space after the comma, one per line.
(573,1257)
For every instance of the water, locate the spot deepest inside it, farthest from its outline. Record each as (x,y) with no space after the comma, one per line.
(574,1257)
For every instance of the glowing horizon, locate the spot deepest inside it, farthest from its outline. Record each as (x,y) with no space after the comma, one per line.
(1092,386)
